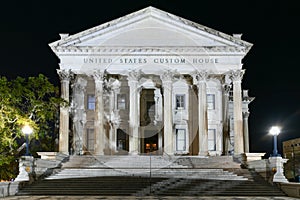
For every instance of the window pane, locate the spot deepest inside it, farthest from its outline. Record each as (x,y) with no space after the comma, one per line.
(211,139)
(211,101)
(180,134)
(90,139)
(180,140)
(121,101)
(180,101)
(91,102)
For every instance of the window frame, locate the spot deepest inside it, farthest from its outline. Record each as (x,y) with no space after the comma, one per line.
(90,142)
(121,103)
(177,140)
(181,101)
(213,140)
(89,102)
(213,102)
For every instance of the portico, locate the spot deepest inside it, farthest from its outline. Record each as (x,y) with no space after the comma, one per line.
(152,82)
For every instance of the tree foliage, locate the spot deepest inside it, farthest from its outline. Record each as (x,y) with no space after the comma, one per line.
(33,101)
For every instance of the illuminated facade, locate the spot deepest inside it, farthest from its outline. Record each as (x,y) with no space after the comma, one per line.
(152,81)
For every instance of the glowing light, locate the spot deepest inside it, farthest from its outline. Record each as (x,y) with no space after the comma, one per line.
(275,130)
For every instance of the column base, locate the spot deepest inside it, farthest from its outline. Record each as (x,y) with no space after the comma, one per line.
(133,153)
(168,154)
(204,154)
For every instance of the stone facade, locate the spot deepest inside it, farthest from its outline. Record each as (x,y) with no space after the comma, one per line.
(152,82)
(291,151)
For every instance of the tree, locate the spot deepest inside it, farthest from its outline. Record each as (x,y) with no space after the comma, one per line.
(33,101)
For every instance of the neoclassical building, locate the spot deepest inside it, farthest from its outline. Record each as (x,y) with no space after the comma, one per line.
(152,82)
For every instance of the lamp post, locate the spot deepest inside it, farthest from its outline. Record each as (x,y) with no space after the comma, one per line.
(275,130)
(27,130)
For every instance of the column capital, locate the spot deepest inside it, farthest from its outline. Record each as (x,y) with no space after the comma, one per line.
(200,76)
(246,114)
(226,89)
(236,75)
(65,75)
(167,76)
(98,75)
(134,75)
(79,84)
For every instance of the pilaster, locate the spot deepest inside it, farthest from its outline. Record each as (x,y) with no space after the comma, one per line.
(114,116)
(79,115)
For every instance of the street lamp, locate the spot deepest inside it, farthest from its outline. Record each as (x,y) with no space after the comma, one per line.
(275,130)
(27,130)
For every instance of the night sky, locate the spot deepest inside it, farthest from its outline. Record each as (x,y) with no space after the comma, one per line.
(272,65)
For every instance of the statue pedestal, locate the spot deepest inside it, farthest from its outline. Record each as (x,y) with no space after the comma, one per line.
(25,168)
(276,165)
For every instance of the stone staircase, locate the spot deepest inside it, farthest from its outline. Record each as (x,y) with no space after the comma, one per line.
(158,166)
(155,175)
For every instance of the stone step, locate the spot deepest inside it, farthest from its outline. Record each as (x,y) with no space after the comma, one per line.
(142,186)
(121,162)
(156,162)
(218,174)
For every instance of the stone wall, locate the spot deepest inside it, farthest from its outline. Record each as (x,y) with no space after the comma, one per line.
(32,169)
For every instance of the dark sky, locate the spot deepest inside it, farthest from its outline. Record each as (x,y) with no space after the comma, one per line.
(27,27)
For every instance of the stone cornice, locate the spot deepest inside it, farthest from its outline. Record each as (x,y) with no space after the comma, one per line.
(135,50)
(144,13)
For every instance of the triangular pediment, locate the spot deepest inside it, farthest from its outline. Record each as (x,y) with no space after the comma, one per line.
(151,27)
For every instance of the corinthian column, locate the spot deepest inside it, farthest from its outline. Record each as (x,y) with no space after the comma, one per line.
(201,78)
(79,115)
(236,77)
(246,131)
(99,114)
(134,121)
(63,147)
(166,78)
(226,136)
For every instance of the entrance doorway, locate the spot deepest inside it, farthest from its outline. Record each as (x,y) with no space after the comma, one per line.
(122,141)
(150,142)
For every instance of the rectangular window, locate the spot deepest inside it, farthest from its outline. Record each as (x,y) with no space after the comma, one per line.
(121,101)
(211,139)
(91,102)
(90,139)
(210,102)
(180,140)
(180,101)
(122,140)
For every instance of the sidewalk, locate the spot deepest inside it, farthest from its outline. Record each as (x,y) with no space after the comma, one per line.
(142,198)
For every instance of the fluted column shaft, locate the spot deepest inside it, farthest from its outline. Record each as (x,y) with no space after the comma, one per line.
(226,137)
(201,78)
(236,77)
(134,120)
(246,131)
(166,78)
(99,114)
(64,112)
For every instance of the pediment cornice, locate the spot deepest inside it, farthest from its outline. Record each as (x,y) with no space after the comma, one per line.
(151,12)
(134,50)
